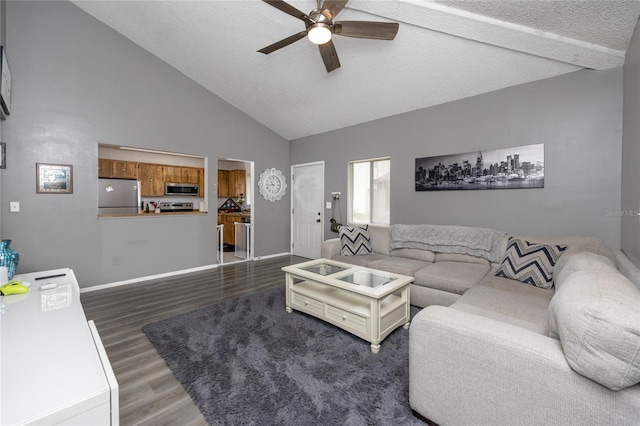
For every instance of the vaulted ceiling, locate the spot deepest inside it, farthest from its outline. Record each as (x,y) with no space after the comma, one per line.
(444,50)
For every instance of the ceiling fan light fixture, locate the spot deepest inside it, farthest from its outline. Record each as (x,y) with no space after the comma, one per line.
(319,33)
(320,27)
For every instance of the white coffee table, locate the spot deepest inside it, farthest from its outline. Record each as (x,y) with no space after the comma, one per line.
(365,302)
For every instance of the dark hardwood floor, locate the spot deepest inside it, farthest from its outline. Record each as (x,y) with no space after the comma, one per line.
(149,394)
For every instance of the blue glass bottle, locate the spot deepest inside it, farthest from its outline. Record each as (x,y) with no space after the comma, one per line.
(8,257)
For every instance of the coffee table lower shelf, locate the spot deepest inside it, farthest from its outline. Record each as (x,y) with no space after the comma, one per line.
(369,318)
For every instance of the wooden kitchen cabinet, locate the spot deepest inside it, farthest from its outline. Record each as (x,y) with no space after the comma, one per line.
(151,180)
(223,183)
(191,175)
(237,183)
(105,168)
(125,169)
(152,177)
(117,169)
(229,233)
(201,181)
(172,174)
(231,183)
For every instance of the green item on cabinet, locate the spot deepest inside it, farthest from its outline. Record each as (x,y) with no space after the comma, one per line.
(14,287)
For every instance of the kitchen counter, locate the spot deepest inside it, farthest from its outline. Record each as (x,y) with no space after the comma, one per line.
(182,213)
(243,214)
(231,217)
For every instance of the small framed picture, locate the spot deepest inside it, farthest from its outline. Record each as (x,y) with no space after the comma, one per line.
(54,178)
(3,155)
(5,83)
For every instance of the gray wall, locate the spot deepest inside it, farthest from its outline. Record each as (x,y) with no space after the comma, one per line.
(630,211)
(577,116)
(76,82)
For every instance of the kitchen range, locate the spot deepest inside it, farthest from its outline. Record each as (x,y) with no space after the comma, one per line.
(175,207)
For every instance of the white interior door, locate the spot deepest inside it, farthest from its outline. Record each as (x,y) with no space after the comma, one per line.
(307,217)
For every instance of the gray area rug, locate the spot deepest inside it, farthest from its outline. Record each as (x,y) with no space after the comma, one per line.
(248,362)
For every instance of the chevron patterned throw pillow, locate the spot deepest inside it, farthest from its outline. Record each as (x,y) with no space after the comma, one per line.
(530,263)
(355,240)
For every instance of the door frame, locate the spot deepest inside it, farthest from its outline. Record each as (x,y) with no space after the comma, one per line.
(292,195)
(250,200)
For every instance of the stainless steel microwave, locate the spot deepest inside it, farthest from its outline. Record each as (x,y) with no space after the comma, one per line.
(181,189)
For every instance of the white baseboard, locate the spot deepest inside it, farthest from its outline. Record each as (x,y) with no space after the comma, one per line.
(167,274)
(147,278)
(269,256)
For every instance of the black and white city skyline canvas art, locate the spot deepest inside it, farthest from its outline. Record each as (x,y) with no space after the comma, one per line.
(516,167)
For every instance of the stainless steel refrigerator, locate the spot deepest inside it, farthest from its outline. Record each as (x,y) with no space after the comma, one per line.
(117,196)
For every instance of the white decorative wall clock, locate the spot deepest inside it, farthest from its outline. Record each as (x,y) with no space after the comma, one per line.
(272,184)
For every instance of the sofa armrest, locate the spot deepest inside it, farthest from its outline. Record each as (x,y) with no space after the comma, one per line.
(468,369)
(627,267)
(330,248)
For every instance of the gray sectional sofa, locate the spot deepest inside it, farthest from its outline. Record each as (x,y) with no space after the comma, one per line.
(440,278)
(489,349)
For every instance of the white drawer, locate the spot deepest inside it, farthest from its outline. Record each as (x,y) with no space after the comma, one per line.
(348,320)
(307,304)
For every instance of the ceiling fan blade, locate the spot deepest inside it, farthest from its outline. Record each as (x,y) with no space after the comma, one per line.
(334,6)
(287,8)
(366,29)
(283,43)
(329,56)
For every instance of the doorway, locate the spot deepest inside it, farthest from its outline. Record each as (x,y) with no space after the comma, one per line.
(234,236)
(307,216)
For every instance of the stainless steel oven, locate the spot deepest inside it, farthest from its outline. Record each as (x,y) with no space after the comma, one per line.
(176,207)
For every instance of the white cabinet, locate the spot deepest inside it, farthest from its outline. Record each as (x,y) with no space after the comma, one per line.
(53,368)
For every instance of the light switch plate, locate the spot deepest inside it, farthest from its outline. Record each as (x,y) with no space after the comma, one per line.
(328,205)
(14,206)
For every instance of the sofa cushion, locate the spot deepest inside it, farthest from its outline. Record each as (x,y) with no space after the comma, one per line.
(361,260)
(379,238)
(584,244)
(508,301)
(416,254)
(455,257)
(529,262)
(355,240)
(597,246)
(474,241)
(596,314)
(454,277)
(579,262)
(398,265)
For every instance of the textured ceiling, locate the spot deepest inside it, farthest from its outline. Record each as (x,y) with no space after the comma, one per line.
(444,51)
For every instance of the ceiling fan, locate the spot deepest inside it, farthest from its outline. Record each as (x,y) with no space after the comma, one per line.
(320,27)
